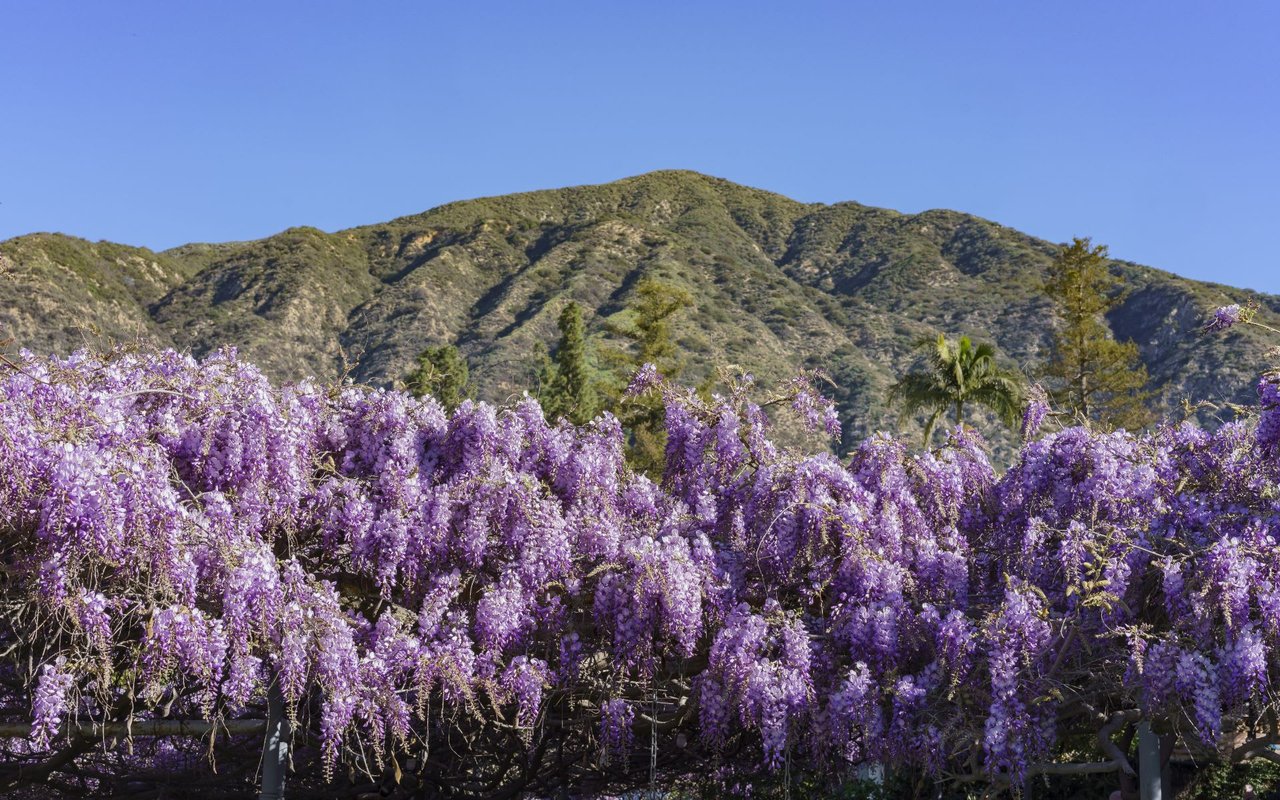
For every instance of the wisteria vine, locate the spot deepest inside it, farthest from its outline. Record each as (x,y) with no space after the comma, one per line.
(179,536)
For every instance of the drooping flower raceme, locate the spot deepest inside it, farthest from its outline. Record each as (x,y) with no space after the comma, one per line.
(394,571)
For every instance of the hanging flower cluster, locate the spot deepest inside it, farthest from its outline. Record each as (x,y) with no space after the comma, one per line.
(185,535)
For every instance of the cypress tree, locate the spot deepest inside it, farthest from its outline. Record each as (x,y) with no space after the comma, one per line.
(569,391)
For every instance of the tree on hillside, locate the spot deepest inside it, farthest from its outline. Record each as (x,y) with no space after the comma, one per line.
(1091,374)
(567,389)
(954,375)
(442,373)
(647,327)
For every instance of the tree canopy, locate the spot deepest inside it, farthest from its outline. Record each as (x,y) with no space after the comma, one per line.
(646,328)
(568,388)
(1092,375)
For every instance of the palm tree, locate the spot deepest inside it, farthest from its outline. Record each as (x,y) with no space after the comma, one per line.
(955,375)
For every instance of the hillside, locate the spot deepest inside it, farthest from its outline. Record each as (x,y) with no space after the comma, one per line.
(779,284)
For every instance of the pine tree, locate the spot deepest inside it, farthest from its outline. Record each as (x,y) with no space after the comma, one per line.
(655,306)
(1091,374)
(442,373)
(647,326)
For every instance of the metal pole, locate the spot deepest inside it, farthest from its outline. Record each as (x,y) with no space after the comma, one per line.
(275,751)
(1148,762)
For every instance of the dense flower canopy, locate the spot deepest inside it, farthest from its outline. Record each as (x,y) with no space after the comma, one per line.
(179,536)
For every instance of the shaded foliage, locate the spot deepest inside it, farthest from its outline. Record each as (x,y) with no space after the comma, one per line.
(441,373)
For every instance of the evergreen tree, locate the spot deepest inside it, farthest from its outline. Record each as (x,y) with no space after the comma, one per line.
(955,375)
(442,373)
(1091,374)
(568,388)
(655,306)
(647,327)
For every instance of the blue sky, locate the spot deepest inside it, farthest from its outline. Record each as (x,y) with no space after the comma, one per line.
(1151,126)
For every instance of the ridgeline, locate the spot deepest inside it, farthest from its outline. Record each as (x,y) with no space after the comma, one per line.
(777,285)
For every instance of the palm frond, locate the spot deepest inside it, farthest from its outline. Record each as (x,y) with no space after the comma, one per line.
(953,374)
(917,390)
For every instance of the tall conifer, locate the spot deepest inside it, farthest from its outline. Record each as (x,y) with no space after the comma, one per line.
(569,391)
(647,326)
(1092,375)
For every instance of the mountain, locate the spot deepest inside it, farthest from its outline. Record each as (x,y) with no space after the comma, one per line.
(778,285)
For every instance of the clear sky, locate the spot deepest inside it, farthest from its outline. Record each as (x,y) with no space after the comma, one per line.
(1153,127)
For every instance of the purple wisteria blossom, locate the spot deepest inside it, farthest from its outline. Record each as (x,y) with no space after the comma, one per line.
(1037,409)
(187,539)
(50,702)
(1225,317)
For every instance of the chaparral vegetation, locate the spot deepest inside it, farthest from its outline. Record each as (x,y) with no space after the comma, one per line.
(484,603)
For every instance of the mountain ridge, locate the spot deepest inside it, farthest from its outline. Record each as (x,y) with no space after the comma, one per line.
(778,284)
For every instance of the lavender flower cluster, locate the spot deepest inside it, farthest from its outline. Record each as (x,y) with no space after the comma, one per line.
(390,567)
(1226,317)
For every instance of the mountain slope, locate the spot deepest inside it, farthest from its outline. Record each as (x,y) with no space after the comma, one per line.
(778,285)
(57,292)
